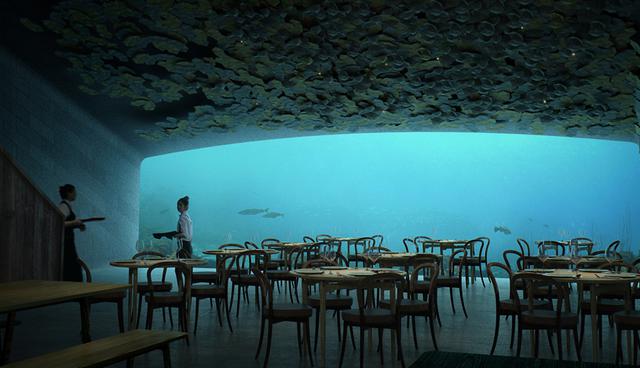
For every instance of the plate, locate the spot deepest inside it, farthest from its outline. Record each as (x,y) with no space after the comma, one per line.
(592,270)
(333,268)
(621,275)
(362,273)
(309,271)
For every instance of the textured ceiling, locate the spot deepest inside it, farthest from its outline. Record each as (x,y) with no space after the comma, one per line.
(188,68)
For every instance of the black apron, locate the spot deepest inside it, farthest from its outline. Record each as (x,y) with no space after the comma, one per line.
(184,247)
(71,270)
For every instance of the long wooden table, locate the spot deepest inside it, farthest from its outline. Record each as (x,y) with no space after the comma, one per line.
(29,294)
(134,265)
(598,283)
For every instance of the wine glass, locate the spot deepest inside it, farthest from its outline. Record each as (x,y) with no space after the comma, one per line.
(373,256)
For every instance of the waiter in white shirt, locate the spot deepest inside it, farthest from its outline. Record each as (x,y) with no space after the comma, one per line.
(184,232)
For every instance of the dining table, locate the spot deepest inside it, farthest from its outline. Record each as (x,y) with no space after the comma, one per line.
(30,294)
(330,279)
(134,265)
(598,281)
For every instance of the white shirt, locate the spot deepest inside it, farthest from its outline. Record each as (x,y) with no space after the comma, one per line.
(185,226)
(64,207)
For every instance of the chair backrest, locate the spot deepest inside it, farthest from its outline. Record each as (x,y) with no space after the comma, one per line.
(148,255)
(232,246)
(484,248)
(579,245)
(524,247)
(183,275)
(308,239)
(551,246)
(252,258)
(421,242)
(323,237)
(618,265)
(269,242)
(491,274)
(297,257)
(250,245)
(360,246)
(318,262)
(266,291)
(519,262)
(462,260)
(224,268)
(428,271)
(556,263)
(410,245)
(85,270)
(613,247)
(534,283)
(378,239)
(392,282)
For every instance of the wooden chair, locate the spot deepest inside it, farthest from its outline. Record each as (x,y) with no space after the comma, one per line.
(412,307)
(276,313)
(410,245)
(369,317)
(171,299)
(627,320)
(478,259)
(379,239)
(308,239)
(580,245)
(454,279)
(274,262)
(357,250)
(551,247)
(530,318)
(323,237)
(519,261)
(243,278)
(218,291)
(611,251)
(117,297)
(159,286)
(508,307)
(283,274)
(529,260)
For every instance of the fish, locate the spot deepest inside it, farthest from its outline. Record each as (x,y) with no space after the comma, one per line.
(545,225)
(503,229)
(273,214)
(253,211)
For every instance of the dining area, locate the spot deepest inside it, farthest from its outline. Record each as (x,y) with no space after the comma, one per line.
(344,301)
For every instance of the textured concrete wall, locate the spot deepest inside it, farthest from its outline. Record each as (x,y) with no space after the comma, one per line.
(55,142)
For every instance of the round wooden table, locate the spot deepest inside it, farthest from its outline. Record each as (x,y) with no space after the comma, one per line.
(134,265)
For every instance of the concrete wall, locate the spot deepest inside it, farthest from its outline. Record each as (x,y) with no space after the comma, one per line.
(55,142)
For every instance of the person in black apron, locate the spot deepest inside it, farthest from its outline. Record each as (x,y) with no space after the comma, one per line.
(184,232)
(71,270)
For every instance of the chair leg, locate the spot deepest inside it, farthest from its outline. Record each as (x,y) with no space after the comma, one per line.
(575,342)
(380,344)
(149,316)
(536,343)
(600,331)
(120,316)
(238,303)
(399,342)
(550,341)
(618,344)
(307,338)
(164,315)
(337,315)
(413,326)
(170,317)
(344,343)
(453,307)
(166,356)
(513,331)
(139,310)
(228,313)
(582,321)
(266,357)
(353,339)
(519,340)
(433,333)
(495,333)
(361,347)
(636,339)
(481,277)
(464,309)
(217,311)
(298,339)
(195,323)
(233,289)
(559,337)
(315,334)
(261,336)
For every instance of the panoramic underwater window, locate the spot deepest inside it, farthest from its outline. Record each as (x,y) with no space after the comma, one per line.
(442,185)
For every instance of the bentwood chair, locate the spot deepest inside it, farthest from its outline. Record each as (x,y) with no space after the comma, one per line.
(508,307)
(530,318)
(379,239)
(170,299)
(274,262)
(369,317)
(410,245)
(356,251)
(529,260)
(159,286)
(113,297)
(308,239)
(243,278)
(627,320)
(472,247)
(518,262)
(283,274)
(551,248)
(218,291)
(581,246)
(479,258)
(275,313)
(413,307)
(454,278)
(611,251)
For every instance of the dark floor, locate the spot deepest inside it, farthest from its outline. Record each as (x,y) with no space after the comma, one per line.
(53,328)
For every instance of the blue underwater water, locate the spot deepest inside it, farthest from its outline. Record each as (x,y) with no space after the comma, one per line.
(442,185)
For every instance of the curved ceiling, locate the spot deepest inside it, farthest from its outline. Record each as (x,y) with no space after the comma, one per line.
(176,70)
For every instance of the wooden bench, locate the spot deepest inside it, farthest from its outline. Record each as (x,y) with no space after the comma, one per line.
(107,351)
